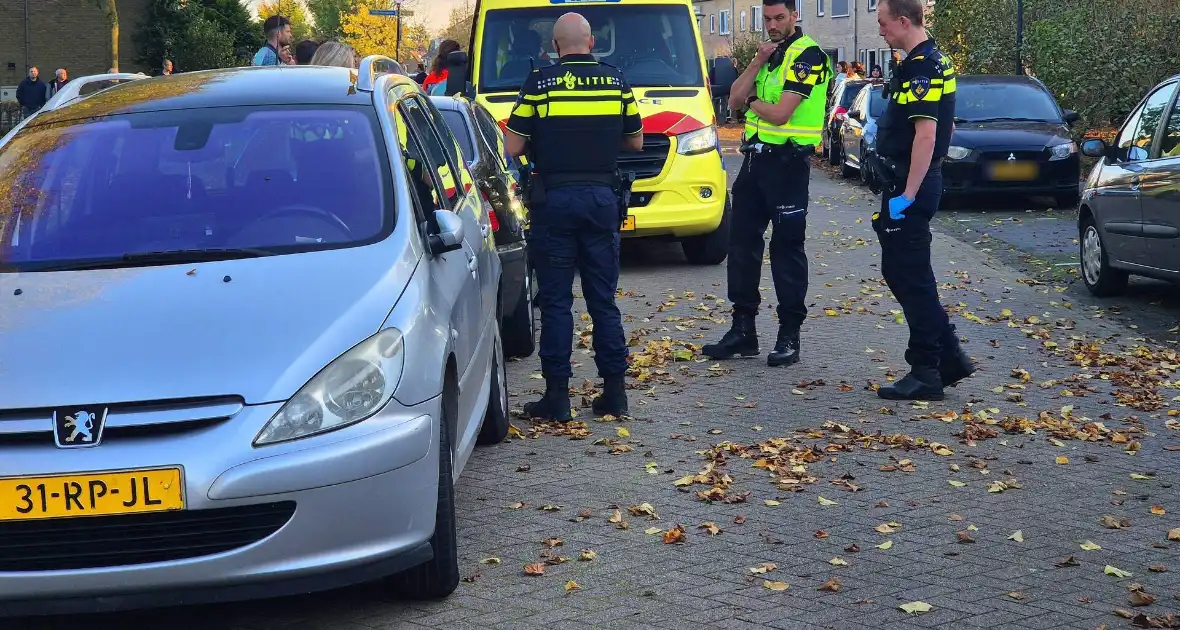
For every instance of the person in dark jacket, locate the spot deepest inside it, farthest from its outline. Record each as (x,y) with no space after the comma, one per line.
(31,93)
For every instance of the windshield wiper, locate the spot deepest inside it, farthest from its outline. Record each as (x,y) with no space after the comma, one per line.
(1003,119)
(172,256)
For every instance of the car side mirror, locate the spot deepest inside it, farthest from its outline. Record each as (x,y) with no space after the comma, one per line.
(1094,147)
(1071,116)
(457,82)
(723,76)
(450,233)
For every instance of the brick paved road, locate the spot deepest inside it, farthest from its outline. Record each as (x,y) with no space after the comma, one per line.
(824,435)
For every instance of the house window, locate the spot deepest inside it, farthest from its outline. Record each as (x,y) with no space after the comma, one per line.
(819,7)
(756,18)
(742,21)
(839,8)
(872,5)
(712,24)
(725,25)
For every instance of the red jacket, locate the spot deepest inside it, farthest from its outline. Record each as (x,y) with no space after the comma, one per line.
(433,78)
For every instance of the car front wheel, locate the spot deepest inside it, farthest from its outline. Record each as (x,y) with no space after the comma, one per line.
(495,418)
(1100,278)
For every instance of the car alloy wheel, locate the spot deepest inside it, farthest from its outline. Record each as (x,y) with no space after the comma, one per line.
(1092,255)
(1100,278)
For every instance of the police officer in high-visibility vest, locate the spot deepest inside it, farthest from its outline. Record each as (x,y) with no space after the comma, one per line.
(913,136)
(572,118)
(784,88)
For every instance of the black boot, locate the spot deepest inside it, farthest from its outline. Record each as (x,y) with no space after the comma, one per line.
(955,364)
(922,383)
(555,404)
(742,339)
(613,401)
(786,348)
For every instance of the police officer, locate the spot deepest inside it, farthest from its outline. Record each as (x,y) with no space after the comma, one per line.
(573,117)
(785,88)
(913,136)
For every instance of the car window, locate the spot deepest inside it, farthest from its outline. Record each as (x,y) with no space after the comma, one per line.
(450,143)
(850,92)
(1138,144)
(105,187)
(492,134)
(457,122)
(877,102)
(1170,143)
(432,152)
(980,101)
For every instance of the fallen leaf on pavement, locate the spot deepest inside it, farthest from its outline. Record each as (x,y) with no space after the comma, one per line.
(586,555)
(1115,571)
(838,561)
(1158,568)
(572,586)
(1139,598)
(956,483)
(674,535)
(1124,613)
(775,586)
(832,585)
(617,517)
(1063,460)
(1017,535)
(1069,561)
(490,561)
(771,502)
(1090,546)
(651,531)
(550,508)
(853,548)
(710,527)
(823,501)
(885,545)
(965,537)
(515,506)
(916,607)
(765,567)
(739,519)
(1174,534)
(1158,510)
(536,568)
(1017,595)
(643,509)
(821,534)
(884,528)
(1142,477)
(552,542)
(1111,522)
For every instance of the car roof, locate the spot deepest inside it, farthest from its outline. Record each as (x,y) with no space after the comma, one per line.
(229,87)
(998,79)
(450,103)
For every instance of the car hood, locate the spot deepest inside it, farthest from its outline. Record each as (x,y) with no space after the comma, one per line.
(257,328)
(1009,135)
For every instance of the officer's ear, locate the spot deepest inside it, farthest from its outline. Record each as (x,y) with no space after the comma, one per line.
(556,48)
(591,41)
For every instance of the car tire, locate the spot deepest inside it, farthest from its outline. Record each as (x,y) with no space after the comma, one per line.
(711,248)
(847,171)
(865,173)
(439,577)
(1100,278)
(495,419)
(835,154)
(520,328)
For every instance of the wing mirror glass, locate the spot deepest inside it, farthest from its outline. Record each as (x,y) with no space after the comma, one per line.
(450,232)
(1094,147)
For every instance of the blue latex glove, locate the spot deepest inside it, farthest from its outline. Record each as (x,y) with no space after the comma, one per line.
(897,207)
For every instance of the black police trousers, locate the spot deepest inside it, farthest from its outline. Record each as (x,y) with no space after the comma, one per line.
(905,264)
(771,189)
(576,230)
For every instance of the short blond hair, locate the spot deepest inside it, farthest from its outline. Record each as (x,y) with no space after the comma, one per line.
(335,54)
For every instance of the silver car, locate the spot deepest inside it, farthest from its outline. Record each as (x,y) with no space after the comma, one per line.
(248,341)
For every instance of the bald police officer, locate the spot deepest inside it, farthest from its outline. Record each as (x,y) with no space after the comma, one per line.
(912,138)
(785,87)
(572,118)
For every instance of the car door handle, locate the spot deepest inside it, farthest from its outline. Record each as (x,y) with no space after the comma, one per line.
(472,264)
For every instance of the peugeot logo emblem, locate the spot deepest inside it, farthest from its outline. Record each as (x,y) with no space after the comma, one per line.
(1011,157)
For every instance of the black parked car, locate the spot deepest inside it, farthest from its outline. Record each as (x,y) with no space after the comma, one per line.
(842,96)
(495,173)
(1011,138)
(1129,216)
(859,132)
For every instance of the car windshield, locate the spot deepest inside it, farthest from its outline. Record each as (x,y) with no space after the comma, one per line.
(458,125)
(980,102)
(877,101)
(653,45)
(849,93)
(247,179)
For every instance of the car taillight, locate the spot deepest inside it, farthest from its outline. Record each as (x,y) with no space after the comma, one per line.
(495,221)
(841,113)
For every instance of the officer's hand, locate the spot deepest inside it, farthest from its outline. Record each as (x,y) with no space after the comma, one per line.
(765,50)
(897,207)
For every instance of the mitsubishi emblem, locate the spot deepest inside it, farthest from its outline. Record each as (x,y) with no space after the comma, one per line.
(1011,157)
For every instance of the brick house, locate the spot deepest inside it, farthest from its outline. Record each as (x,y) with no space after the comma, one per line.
(64,33)
(847,29)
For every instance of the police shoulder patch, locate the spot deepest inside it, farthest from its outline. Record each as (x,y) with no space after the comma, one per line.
(919,86)
(801,69)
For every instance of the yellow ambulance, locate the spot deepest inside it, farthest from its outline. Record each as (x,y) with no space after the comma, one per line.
(680,185)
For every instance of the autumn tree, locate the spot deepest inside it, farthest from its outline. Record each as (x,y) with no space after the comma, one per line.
(459,24)
(329,16)
(377,35)
(292,10)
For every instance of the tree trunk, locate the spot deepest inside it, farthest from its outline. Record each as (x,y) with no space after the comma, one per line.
(112,16)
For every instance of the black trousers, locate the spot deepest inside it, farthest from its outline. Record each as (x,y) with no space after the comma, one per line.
(905,265)
(770,190)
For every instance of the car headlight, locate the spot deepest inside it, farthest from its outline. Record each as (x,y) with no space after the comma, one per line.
(353,387)
(957,153)
(697,142)
(1063,150)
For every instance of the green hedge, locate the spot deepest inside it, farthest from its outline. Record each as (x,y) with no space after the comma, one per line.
(1098,58)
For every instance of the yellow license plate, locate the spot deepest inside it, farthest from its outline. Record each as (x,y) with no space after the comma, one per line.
(91,494)
(629,223)
(1014,171)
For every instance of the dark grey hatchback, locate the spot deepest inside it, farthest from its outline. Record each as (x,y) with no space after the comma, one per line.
(1129,216)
